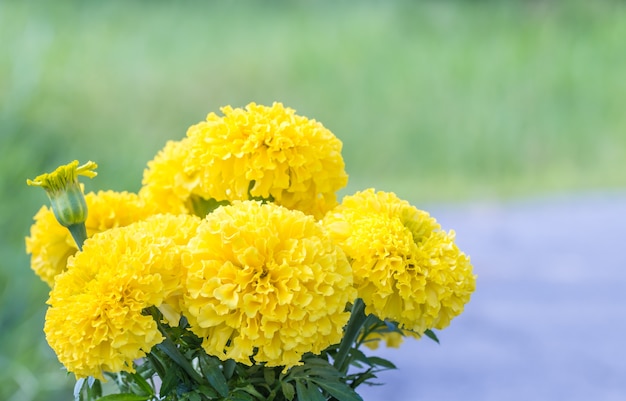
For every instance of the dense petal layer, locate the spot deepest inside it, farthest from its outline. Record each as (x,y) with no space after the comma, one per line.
(265,284)
(406,269)
(95,322)
(265,152)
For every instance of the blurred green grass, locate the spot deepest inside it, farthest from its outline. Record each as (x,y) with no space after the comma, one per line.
(439,101)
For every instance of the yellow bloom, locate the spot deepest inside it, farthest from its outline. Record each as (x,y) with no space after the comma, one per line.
(265,284)
(406,269)
(266,153)
(95,321)
(165,183)
(50,244)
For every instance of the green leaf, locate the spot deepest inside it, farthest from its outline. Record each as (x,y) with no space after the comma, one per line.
(240,396)
(308,392)
(192,397)
(201,207)
(357,356)
(288,390)
(301,391)
(156,362)
(339,390)
(78,389)
(431,334)
(170,349)
(212,372)
(124,397)
(316,367)
(95,388)
(363,378)
(169,382)
(208,392)
(143,385)
(378,361)
(269,375)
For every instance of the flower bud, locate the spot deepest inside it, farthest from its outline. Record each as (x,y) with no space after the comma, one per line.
(66,196)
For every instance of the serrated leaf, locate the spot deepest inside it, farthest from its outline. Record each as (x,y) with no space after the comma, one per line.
(339,390)
(288,390)
(124,397)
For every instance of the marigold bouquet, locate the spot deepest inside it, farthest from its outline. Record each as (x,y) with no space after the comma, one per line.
(234,273)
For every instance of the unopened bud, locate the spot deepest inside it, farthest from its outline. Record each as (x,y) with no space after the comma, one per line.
(66,196)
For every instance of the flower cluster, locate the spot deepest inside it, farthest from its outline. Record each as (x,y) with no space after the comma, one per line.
(234,270)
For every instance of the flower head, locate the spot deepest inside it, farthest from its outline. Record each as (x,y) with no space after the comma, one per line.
(166,185)
(265,284)
(95,322)
(50,244)
(406,269)
(267,153)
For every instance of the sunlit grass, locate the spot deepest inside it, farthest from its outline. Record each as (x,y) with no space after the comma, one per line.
(437,101)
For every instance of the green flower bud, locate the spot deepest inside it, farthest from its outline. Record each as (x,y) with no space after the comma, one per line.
(66,196)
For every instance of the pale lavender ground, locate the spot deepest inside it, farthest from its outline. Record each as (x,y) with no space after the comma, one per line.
(548,318)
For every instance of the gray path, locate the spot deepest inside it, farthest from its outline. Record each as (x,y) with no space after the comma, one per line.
(548,318)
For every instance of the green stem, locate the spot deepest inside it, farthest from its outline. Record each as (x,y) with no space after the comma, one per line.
(357,319)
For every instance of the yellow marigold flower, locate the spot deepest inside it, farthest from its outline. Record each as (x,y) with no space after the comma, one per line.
(406,269)
(95,321)
(266,153)
(166,185)
(265,284)
(50,244)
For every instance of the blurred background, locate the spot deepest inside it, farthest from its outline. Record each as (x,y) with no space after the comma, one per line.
(447,103)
